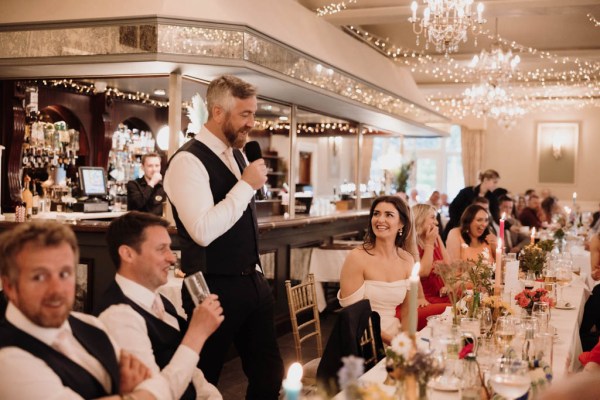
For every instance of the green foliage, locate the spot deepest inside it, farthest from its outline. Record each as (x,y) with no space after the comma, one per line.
(532,258)
(403,176)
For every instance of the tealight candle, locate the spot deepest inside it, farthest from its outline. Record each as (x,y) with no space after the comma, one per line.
(412,299)
(292,384)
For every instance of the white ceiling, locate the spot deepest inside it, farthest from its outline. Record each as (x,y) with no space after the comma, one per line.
(561,27)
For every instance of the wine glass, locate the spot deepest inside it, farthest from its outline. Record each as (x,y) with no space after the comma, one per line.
(510,378)
(563,278)
(505,331)
(486,321)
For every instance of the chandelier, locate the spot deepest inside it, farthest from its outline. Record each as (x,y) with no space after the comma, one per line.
(482,98)
(445,23)
(496,66)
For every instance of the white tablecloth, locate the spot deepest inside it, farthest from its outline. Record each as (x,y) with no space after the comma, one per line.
(326,265)
(566,349)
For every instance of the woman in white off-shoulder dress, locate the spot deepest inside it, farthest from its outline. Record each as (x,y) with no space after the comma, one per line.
(379,269)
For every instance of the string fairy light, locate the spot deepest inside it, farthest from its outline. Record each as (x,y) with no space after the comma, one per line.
(570,81)
(111,92)
(333,8)
(593,20)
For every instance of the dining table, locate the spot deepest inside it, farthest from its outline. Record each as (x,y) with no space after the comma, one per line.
(566,348)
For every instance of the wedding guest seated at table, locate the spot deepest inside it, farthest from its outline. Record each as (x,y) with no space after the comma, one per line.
(589,329)
(552,210)
(530,214)
(515,240)
(431,251)
(472,237)
(485,203)
(46,350)
(145,323)
(379,269)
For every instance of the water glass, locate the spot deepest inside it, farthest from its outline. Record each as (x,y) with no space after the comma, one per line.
(542,319)
(197,287)
(486,321)
(487,353)
(544,347)
(510,378)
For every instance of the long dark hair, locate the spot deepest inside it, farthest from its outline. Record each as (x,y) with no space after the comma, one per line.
(465,223)
(547,205)
(402,240)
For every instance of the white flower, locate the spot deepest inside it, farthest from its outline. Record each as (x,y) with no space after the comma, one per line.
(401,345)
(353,368)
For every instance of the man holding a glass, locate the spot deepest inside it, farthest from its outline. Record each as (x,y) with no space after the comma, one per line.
(146,323)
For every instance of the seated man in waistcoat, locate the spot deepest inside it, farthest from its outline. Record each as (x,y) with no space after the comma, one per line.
(145,323)
(45,349)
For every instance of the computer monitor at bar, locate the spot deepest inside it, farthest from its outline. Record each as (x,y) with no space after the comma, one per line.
(93,181)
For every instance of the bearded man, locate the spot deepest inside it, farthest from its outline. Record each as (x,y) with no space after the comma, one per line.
(211,188)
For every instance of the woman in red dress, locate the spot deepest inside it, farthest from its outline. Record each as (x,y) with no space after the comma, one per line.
(431,251)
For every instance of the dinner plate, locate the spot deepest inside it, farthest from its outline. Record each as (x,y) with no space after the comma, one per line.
(564,307)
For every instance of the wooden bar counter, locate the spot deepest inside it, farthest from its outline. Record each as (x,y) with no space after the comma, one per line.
(278,237)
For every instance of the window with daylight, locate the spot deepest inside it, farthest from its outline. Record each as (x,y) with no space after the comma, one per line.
(438,162)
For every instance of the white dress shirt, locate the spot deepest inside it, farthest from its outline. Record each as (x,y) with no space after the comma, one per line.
(188,186)
(129,330)
(24,376)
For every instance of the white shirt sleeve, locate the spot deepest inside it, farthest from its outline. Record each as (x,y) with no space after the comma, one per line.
(128,329)
(188,186)
(24,376)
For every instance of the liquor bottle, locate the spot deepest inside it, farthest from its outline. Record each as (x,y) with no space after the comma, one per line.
(27,196)
(35,202)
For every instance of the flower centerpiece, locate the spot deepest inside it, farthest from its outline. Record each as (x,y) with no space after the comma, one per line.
(527,298)
(532,258)
(467,283)
(406,364)
(497,306)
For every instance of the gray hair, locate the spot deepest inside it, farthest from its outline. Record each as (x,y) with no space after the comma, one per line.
(222,90)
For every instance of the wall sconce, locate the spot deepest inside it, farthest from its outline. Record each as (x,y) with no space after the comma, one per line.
(556,149)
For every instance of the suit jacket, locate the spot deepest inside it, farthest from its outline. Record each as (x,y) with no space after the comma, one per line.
(345,340)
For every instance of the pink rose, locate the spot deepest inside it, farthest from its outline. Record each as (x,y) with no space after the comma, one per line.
(523,302)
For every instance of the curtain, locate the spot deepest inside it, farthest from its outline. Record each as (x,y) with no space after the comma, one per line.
(366,157)
(472,141)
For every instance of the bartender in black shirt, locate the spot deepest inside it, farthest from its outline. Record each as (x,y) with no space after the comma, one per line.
(147,193)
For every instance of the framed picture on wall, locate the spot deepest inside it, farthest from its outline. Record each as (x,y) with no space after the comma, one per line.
(83,285)
(557,150)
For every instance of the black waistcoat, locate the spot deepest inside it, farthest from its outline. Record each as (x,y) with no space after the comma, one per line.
(164,338)
(71,374)
(237,249)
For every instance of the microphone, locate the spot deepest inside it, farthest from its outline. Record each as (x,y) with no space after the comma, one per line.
(253,153)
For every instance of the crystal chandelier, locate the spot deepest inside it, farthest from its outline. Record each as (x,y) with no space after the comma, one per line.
(482,98)
(496,66)
(445,23)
